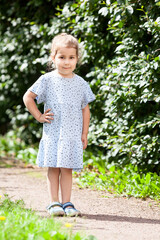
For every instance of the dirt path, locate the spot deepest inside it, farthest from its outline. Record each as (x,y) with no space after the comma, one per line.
(104,215)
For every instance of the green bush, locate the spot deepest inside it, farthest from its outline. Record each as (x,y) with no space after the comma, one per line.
(121,40)
(121,60)
(24,49)
(12,145)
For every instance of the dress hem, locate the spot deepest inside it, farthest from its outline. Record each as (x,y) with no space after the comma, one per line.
(74,169)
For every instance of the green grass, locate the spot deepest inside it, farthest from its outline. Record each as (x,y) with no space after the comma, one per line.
(127,181)
(18,223)
(12,146)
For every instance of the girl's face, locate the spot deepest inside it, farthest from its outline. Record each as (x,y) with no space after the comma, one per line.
(65,61)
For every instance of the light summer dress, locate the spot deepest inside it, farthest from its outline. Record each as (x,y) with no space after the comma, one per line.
(61,144)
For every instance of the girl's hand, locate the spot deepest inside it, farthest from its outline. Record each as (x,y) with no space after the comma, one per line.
(84,140)
(46,117)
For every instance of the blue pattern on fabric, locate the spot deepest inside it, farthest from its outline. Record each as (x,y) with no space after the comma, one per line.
(61,144)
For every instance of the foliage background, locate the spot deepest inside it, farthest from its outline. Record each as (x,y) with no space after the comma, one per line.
(121,60)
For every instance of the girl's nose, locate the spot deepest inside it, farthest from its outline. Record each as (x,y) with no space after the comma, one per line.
(66,61)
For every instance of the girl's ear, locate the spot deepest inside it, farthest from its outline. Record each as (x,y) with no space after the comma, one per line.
(53,59)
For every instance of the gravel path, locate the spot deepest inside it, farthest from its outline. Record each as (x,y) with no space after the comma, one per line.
(104,215)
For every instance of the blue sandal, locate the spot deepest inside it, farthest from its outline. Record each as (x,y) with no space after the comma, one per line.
(71,211)
(56,209)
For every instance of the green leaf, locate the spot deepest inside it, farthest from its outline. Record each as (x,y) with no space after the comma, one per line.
(157,59)
(148,178)
(112,169)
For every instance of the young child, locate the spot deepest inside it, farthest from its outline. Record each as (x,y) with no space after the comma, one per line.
(65,121)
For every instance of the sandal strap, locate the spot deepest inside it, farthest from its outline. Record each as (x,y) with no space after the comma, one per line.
(68,204)
(54,204)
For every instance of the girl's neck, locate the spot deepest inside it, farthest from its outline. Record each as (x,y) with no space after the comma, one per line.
(63,76)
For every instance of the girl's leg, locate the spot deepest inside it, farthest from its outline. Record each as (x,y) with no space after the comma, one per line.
(66,184)
(53,183)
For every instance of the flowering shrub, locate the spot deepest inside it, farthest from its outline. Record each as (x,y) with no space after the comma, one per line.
(121,42)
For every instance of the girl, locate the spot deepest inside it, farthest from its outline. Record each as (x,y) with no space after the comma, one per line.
(65,121)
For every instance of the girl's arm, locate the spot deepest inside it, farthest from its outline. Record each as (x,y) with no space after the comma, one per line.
(86,121)
(29,102)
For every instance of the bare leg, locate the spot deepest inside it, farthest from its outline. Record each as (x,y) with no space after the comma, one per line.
(53,183)
(66,184)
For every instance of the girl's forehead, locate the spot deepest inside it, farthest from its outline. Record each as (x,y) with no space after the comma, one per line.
(67,51)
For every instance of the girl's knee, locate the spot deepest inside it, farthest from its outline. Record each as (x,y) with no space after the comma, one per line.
(52,170)
(66,171)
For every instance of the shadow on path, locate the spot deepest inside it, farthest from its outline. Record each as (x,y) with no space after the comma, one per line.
(115,218)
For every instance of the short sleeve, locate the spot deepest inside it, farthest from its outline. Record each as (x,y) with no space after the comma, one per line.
(39,88)
(88,95)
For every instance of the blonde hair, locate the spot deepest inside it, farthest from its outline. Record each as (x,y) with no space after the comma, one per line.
(64,40)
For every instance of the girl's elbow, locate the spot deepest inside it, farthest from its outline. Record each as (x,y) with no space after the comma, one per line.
(25,98)
(28,98)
